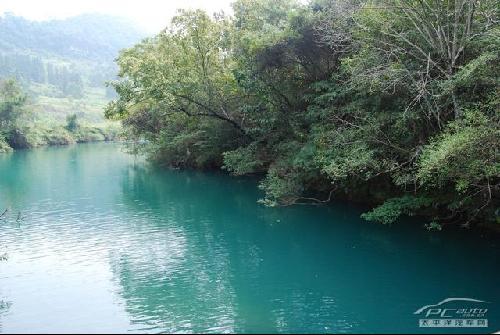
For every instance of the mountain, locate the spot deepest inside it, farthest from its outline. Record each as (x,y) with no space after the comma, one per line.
(64,64)
(91,37)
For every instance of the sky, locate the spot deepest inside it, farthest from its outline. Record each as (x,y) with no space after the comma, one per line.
(152,15)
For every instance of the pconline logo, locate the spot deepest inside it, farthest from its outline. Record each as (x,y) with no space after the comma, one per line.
(454,313)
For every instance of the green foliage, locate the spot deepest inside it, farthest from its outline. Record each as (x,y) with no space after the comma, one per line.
(72,123)
(434,226)
(4,146)
(243,160)
(179,92)
(463,162)
(56,136)
(192,143)
(12,101)
(393,208)
(368,100)
(465,154)
(63,65)
(18,130)
(282,186)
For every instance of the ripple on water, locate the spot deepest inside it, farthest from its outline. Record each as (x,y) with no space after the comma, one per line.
(108,245)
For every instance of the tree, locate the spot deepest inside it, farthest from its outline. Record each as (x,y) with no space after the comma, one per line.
(422,46)
(185,69)
(435,63)
(12,101)
(72,123)
(392,102)
(184,73)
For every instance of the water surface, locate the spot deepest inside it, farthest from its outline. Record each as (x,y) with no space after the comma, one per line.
(105,243)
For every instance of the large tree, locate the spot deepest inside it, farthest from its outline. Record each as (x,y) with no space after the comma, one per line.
(179,87)
(12,101)
(393,102)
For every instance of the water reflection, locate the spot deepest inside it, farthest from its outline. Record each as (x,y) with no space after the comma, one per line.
(247,268)
(236,273)
(110,245)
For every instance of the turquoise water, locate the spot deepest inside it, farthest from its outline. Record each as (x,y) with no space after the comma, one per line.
(106,243)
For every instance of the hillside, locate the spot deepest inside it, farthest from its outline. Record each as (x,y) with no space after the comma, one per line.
(64,64)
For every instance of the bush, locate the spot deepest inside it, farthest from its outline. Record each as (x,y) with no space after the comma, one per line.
(58,136)
(4,146)
(89,134)
(392,209)
(72,123)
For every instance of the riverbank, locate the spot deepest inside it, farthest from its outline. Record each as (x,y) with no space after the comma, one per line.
(318,114)
(23,127)
(39,135)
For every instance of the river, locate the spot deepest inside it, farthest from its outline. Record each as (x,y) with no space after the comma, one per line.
(98,241)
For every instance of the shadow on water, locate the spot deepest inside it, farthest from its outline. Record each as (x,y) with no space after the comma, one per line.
(247,268)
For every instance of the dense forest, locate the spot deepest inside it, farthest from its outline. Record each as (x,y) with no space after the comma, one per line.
(389,102)
(19,128)
(26,68)
(53,78)
(63,65)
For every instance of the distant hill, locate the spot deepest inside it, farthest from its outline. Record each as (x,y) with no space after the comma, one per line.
(91,37)
(64,64)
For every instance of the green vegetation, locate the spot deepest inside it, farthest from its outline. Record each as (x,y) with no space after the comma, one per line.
(53,78)
(391,102)
(20,130)
(72,124)
(63,65)
(12,101)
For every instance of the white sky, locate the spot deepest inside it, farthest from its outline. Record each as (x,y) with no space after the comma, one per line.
(153,15)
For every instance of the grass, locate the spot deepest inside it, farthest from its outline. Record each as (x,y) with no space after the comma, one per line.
(46,117)
(54,133)
(47,106)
